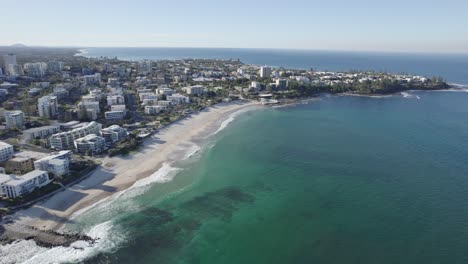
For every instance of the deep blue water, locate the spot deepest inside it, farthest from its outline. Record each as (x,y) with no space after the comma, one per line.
(452,67)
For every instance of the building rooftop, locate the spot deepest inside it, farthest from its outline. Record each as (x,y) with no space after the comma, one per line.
(30,155)
(4,144)
(36,129)
(55,155)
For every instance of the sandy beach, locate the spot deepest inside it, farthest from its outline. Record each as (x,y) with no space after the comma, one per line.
(120,172)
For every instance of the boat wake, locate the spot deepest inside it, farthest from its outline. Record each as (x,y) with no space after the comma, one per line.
(409,95)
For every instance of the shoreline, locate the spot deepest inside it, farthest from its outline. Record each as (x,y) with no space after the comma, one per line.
(119,173)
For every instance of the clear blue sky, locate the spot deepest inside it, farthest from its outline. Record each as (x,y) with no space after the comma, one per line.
(391,25)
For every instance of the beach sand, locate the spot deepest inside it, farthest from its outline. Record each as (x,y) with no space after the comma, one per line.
(120,172)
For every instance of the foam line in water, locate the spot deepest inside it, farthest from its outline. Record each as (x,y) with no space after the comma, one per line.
(226,122)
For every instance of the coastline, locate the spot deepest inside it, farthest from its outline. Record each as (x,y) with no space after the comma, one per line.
(119,173)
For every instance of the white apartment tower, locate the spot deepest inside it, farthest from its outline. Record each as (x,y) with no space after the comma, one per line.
(47,106)
(14,119)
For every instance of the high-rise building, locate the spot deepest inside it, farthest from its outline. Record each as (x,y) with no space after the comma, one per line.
(47,106)
(14,70)
(36,69)
(281,84)
(14,119)
(9,59)
(265,72)
(145,67)
(55,66)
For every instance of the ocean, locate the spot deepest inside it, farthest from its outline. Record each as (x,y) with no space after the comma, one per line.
(338,179)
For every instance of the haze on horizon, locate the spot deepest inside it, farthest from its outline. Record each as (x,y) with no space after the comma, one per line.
(361,25)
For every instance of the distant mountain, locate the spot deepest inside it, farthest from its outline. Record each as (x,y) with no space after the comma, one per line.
(19,45)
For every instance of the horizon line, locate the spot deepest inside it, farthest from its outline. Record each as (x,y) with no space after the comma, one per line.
(240,48)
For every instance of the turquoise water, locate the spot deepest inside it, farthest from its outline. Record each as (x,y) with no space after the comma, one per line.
(337,180)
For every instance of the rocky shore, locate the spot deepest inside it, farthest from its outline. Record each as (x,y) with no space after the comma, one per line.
(43,238)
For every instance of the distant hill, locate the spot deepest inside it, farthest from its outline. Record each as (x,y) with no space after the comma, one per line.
(19,45)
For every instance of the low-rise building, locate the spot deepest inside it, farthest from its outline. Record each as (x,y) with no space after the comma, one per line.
(165,91)
(114,115)
(115,100)
(119,108)
(13,186)
(178,99)
(23,161)
(90,144)
(164,103)
(114,133)
(94,79)
(154,109)
(57,163)
(40,132)
(19,165)
(65,140)
(195,90)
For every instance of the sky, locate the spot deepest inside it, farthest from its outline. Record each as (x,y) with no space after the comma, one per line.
(361,25)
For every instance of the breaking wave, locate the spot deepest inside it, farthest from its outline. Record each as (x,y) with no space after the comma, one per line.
(26,251)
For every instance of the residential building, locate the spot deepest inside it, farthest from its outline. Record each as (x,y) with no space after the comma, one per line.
(55,66)
(58,163)
(113,82)
(48,106)
(195,90)
(149,101)
(19,165)
(65,140)
(114,133)
(40,132)
(145,67)
(13,186)
(36,69)
(119,108)
(14,119)
(114,115)
(90,144)
(6,151)
(154,109)
(115,100)
(164,103)
(265,72)
(94,79)
(281,84)
(60,92)
(15,70)
(22,162)
(178,99)
(9,59)
(88,110)
(165,91)
(147,95)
